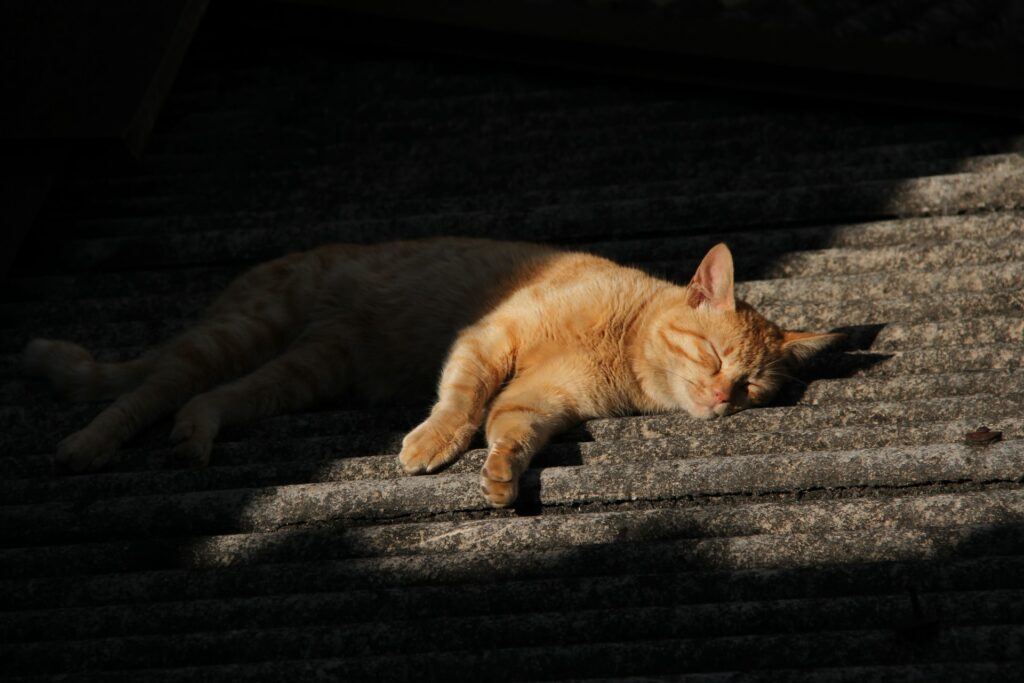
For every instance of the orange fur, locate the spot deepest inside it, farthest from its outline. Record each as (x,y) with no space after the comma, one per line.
(542,338)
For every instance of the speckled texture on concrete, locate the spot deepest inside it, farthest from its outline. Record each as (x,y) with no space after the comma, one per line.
(845,533)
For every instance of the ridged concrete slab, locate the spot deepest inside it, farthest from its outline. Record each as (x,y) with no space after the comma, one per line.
(999,191)
(346,188)
(315,625)
(989,225)
(303,457)
(271,509)
(736,527)
(826,648)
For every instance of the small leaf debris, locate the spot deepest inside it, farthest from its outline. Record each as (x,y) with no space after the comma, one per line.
(982,436)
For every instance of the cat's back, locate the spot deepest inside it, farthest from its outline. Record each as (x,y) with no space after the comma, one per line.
(452,262)
(407,300)
(478,275)
(449,278)
(580,304)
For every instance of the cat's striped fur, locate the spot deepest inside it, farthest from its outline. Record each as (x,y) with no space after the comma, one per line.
(536,338)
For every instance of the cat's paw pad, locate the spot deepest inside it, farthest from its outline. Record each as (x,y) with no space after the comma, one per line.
(85,451)
(434,444)
(498,481)
(499,494)
(194,431)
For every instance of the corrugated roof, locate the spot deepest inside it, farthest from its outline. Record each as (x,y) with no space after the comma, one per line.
(847,533)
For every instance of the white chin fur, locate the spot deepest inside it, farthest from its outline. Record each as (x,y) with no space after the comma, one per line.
(699,411)
(682,399)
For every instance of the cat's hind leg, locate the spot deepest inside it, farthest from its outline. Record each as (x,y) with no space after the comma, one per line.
(213,351)
(76,376)
(314,368)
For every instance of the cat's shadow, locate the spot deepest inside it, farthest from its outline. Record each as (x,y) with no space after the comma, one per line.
(849,357)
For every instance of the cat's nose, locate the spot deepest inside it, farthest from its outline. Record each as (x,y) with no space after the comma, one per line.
(721,395)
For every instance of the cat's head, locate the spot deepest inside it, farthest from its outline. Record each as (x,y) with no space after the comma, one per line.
(713,355)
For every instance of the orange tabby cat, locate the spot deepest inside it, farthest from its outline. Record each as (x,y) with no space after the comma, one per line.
(538,339)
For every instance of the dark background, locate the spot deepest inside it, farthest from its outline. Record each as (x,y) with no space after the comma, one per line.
(90,78)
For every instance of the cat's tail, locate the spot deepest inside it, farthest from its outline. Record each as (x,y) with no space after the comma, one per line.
(77,376)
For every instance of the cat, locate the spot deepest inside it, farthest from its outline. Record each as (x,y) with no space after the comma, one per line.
(535,338)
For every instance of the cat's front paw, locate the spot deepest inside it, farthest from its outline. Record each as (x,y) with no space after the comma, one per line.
(499,481)
(86,451)
(499,494)
(435,443)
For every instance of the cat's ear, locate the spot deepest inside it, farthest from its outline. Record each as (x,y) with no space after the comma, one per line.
(712,284)
(803,345)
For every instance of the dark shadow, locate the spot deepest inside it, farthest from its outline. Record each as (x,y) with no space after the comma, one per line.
(847,358)
(529,503)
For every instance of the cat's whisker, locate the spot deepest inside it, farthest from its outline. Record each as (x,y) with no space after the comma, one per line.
(790,378)
(676,374)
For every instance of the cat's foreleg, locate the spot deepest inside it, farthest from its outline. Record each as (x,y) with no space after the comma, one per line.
(316,367)
(479,362)
(523,418)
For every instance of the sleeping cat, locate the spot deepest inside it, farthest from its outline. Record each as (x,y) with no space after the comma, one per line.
(536,338)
